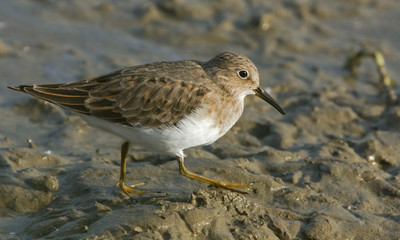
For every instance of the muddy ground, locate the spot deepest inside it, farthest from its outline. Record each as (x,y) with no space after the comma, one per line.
(329,169)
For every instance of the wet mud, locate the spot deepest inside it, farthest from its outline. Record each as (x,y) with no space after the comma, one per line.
(328,169)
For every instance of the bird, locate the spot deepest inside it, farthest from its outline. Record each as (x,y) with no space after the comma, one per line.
(163,107)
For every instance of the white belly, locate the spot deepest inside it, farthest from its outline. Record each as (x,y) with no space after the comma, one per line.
(189,132)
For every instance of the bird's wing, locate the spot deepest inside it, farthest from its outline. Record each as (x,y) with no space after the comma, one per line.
(135,98)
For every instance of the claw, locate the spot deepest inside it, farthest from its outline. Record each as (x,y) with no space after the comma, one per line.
(226,185)
(129,189)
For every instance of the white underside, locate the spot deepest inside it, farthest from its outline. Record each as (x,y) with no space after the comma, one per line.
(190,132)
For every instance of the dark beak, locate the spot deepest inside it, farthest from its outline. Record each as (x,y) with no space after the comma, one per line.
(266,97)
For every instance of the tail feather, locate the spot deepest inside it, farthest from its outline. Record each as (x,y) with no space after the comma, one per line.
(73,99)
(62,92)
(18,88)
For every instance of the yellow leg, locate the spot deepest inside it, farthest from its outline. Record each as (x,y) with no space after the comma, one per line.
(121,183)
(227,185)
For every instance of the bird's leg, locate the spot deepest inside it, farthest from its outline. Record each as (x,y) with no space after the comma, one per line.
(121,183)
(227,185)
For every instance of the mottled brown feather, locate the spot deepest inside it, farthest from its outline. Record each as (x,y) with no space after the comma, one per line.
(39,92)
(151,96)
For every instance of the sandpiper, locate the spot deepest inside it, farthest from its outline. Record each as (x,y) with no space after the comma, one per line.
(164,107)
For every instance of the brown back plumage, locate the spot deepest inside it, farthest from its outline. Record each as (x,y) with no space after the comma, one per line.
(150,96)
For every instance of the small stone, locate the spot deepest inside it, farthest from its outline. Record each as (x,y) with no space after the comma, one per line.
(4,48)
(102,208)
(296,177)
(368,175)
(137,229)
(51,183)
(45,183)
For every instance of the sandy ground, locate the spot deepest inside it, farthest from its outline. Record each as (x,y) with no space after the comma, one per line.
(329,169)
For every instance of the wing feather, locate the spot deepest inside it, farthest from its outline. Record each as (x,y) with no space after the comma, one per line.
(149,96)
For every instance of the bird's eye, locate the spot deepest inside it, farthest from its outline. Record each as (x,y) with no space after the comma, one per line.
(243,74)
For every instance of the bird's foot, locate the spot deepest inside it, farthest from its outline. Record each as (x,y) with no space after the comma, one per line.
(128,190)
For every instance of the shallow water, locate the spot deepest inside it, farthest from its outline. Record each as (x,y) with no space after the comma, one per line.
(329,169)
